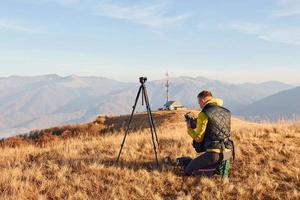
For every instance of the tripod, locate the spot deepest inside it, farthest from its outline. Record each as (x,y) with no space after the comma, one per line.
(142,90)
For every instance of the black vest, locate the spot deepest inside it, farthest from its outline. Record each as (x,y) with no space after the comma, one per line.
(218,128)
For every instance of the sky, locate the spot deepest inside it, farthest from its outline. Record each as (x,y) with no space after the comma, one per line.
(230,40)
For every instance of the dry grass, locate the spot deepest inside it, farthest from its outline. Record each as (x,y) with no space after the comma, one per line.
(81,166)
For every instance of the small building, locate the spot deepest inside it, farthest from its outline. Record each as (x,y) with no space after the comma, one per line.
(173,105)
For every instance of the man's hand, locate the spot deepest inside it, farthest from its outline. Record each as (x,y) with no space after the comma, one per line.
(188,124)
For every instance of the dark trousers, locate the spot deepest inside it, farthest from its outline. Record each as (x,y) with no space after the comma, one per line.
(204,161)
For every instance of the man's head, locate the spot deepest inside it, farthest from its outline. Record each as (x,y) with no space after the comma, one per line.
(204,97)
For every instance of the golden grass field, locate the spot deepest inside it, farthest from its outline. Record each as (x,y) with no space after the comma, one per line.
(77,162)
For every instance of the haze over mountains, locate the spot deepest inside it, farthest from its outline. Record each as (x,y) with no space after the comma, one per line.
(285,104)
(41,101)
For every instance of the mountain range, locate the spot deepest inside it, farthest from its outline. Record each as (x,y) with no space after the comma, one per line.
(41,101)
(282,105)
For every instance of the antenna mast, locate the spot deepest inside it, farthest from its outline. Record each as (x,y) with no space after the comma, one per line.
(167,86)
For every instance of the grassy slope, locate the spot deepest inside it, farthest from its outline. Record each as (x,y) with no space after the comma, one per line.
(81,166)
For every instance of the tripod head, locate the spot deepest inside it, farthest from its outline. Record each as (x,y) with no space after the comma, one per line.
(143,80)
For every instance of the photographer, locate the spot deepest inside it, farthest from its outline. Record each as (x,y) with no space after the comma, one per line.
(211,136)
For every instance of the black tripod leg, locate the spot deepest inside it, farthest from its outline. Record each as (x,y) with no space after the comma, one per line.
(128,125)
(150,124)
(151,116)
(142,98)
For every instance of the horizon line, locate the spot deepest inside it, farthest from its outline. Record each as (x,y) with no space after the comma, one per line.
(98,76)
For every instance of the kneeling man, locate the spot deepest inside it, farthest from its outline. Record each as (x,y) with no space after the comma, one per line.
(211,136)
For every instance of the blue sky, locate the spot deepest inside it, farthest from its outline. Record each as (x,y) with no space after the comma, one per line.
(230,40)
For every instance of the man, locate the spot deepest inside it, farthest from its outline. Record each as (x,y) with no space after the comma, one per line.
(211,136)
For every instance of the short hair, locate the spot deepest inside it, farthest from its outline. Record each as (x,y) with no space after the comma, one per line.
(204,94)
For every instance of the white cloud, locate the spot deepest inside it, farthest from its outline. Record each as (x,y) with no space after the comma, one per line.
(286,34)
(270,30)
(6,24)
(287,8)
(153,16)
(60,2)
(247,27)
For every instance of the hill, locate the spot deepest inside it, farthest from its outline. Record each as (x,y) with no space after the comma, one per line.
(51,100)
(282,105)
(77,162)
(43,101)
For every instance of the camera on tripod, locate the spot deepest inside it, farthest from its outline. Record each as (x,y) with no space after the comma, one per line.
(142,92)
(191,120)
(143,80)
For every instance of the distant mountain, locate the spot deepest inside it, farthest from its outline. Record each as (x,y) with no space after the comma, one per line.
(236,96)
(42,101)
(269,87)
(282,105)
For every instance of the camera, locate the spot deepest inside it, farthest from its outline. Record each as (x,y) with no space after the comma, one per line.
(143,80)
(191,120)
